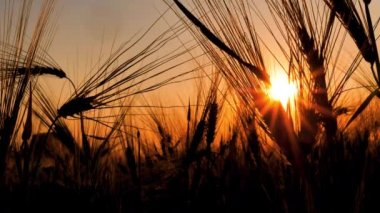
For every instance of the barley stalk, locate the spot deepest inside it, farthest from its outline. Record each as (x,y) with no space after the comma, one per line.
(346,12)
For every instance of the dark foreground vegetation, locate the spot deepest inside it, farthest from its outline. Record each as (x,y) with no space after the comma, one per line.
(231,149)
(342,175)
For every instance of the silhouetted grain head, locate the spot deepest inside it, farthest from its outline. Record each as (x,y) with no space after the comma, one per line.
(195,142)
(39,70)
(211,123)
(347,13)
(76,106)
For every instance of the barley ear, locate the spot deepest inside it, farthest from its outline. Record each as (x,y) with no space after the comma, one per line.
(211,125)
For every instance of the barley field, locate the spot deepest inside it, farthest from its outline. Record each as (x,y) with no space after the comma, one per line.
(189,106)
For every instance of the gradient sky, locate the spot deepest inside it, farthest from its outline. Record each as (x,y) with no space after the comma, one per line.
(85,26)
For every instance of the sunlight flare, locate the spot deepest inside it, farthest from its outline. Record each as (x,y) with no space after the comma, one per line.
(282,89)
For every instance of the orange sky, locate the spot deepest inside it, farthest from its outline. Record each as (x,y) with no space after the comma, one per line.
(84,27)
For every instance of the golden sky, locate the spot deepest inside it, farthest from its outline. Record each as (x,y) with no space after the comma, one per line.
(84,25)
(87,27)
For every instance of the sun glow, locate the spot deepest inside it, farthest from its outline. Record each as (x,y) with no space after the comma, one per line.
(282,90)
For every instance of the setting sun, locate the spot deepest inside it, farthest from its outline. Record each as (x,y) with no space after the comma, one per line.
(281,89)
